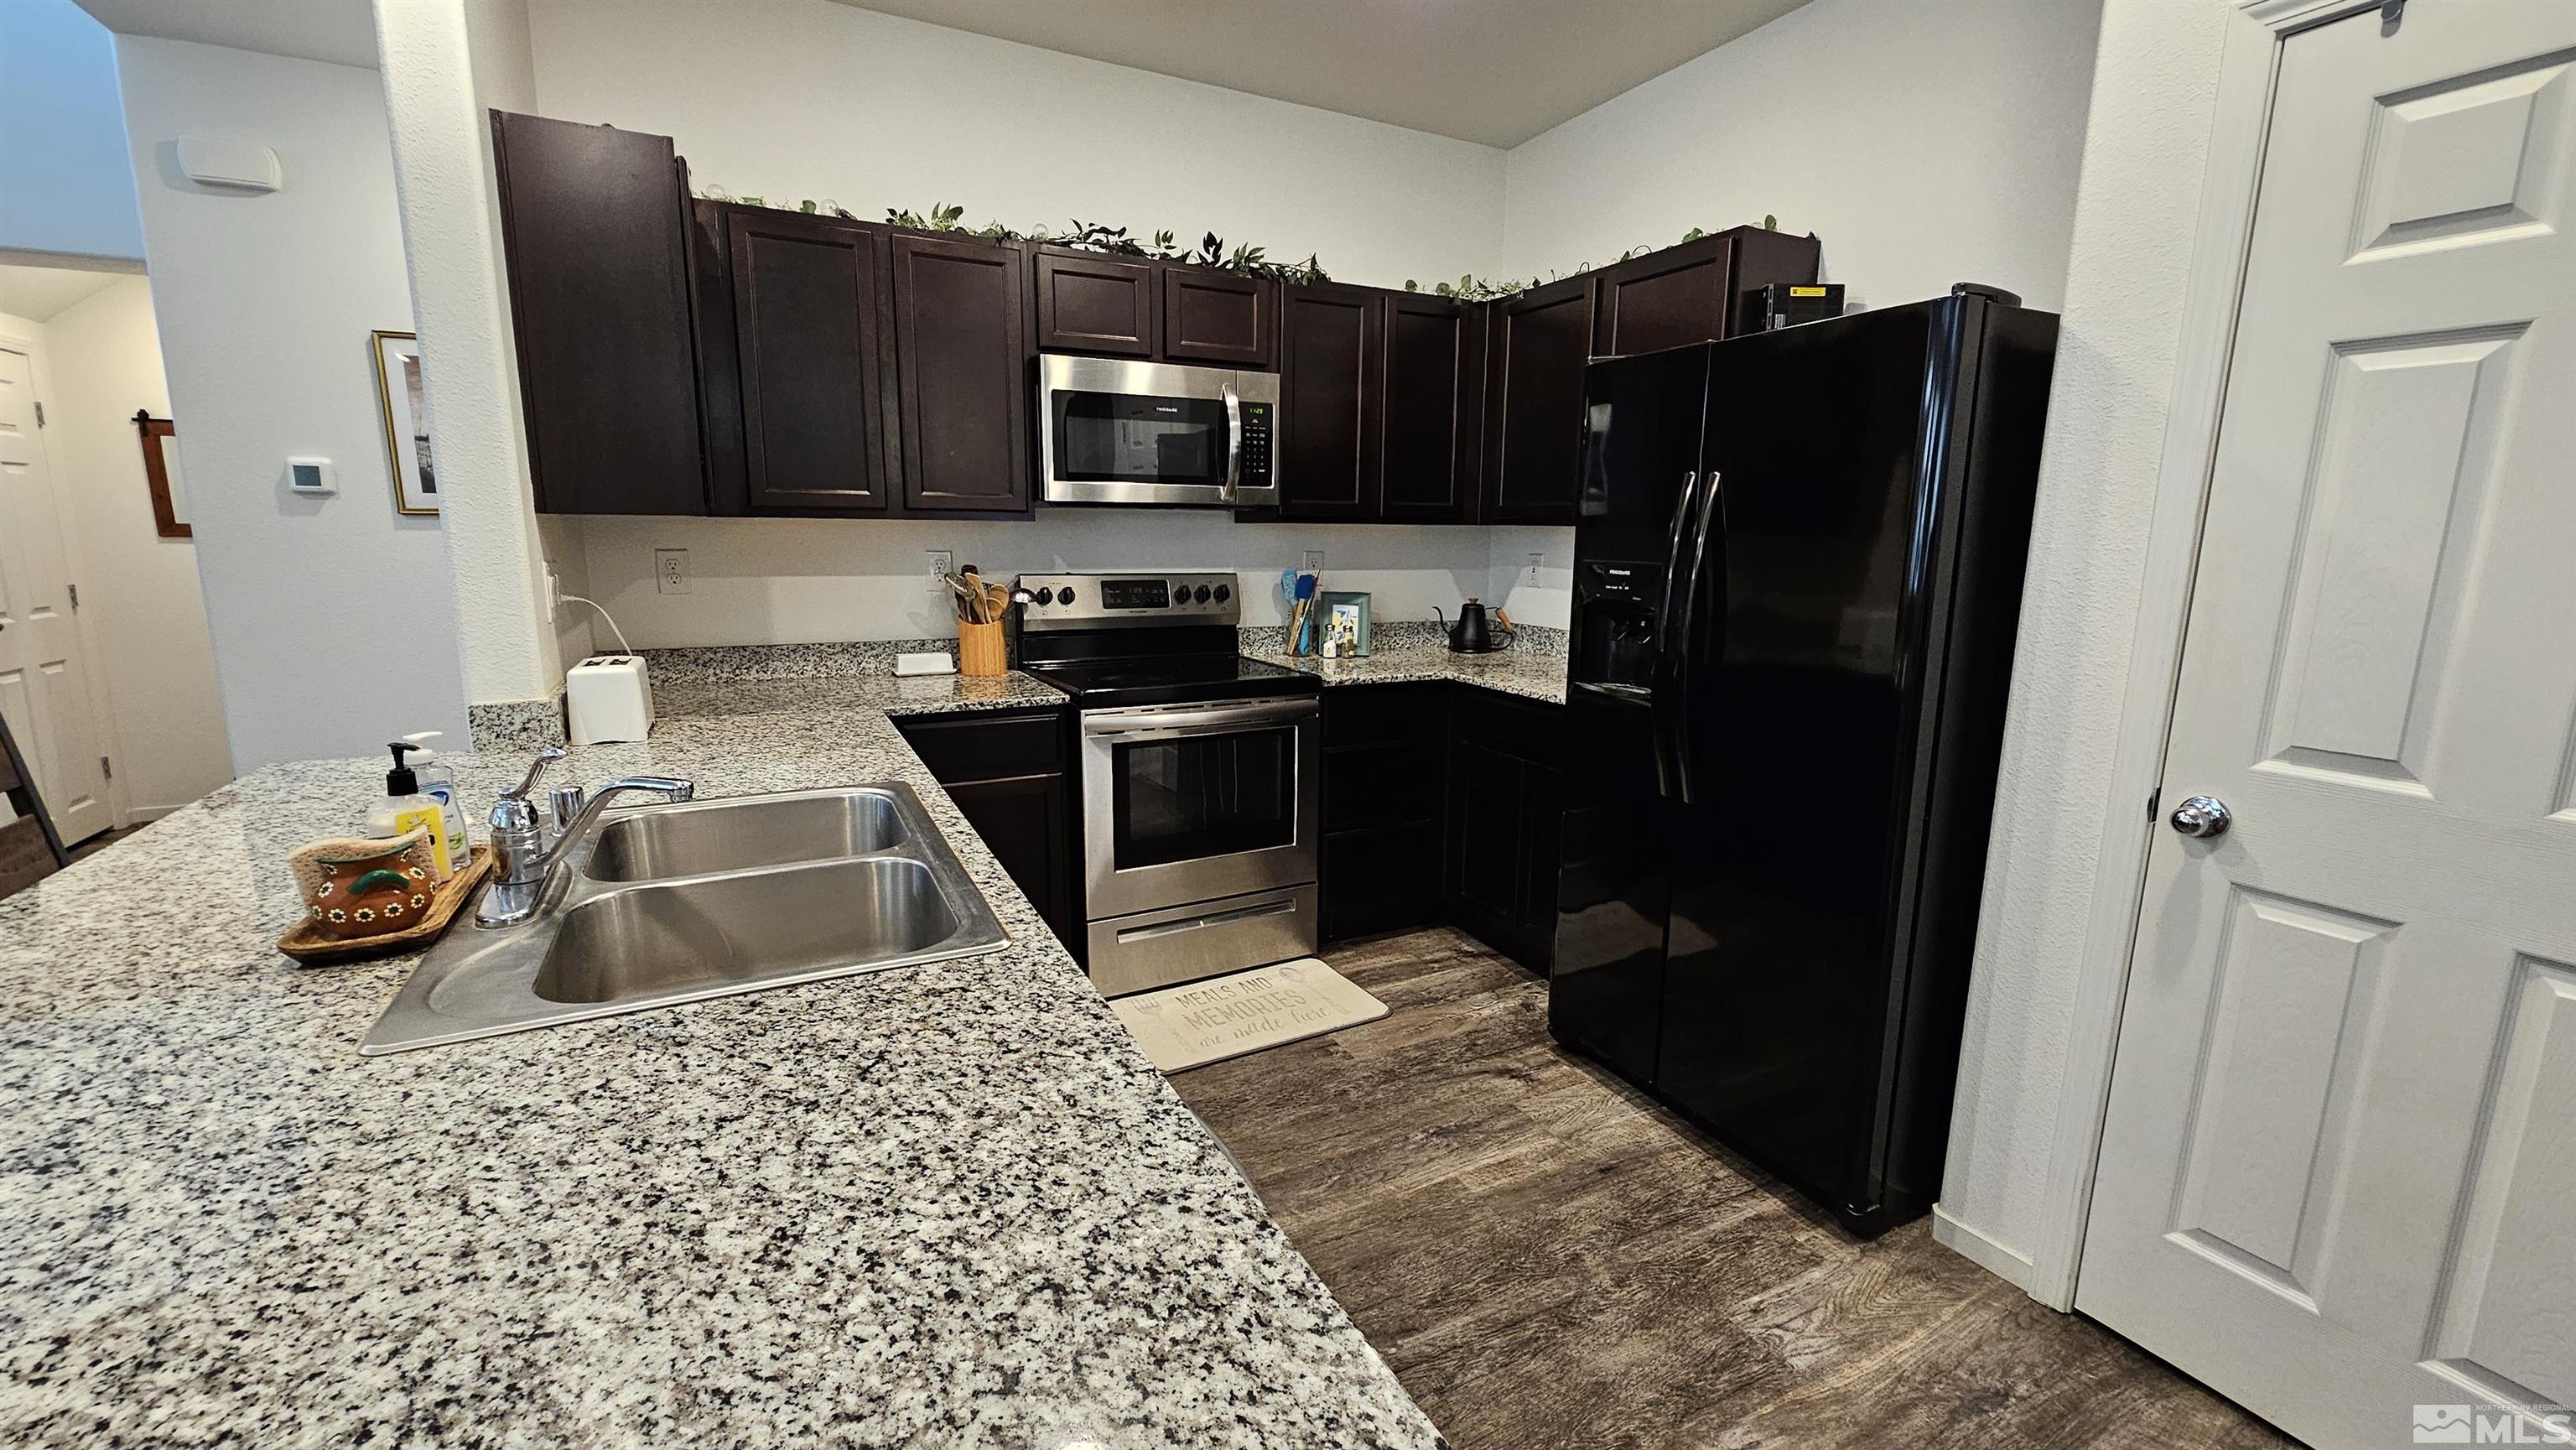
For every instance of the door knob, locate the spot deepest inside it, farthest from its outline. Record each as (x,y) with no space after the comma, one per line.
(2202,815)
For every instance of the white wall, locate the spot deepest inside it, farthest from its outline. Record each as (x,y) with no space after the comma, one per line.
(1924,143)
(2137,217)
(806,98)
(140,596)
(760,581)
(333,620)
(1549,600)
(64,183)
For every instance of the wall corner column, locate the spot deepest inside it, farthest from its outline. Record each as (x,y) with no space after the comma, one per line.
(443,62)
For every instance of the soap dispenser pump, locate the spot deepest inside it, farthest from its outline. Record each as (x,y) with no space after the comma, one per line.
(405,807)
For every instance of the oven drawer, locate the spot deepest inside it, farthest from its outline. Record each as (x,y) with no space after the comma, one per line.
(1182,944)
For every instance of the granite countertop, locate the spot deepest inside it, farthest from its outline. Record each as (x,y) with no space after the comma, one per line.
(1523,670)
(945,1205)
(913,695)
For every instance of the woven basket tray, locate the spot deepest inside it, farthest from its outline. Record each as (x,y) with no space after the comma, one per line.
(314,949)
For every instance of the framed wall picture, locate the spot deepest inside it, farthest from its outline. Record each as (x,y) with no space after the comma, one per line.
(404,398)
(1346,625)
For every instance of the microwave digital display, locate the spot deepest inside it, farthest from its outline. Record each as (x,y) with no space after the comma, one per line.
(1135,594)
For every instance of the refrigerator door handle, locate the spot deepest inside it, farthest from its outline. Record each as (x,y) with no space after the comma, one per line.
(1695,650)
(1671,636)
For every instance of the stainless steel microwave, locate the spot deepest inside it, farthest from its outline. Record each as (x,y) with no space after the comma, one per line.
(1111,431)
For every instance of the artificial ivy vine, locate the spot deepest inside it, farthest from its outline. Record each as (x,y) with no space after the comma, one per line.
(1212,251)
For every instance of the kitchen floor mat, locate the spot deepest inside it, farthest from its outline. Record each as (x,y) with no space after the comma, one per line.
(1198,1023)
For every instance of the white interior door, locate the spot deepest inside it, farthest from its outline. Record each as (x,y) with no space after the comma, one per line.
(44,685)
(2338,1171)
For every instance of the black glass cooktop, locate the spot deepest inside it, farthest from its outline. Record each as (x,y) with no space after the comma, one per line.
(1172,680)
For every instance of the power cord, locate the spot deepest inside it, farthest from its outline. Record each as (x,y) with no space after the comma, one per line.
(622,646)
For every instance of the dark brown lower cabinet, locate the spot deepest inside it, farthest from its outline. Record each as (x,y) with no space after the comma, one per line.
(1384,783)
(1506,797)
(1006,772)
(1442,803)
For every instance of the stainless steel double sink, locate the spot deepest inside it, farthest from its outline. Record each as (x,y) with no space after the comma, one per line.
(675,903)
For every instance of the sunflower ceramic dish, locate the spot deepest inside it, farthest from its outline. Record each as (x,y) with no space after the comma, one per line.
(368,897)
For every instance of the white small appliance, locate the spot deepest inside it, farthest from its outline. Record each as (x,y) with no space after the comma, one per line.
(608,699)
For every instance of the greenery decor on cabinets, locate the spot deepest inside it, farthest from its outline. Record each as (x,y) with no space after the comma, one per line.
(1472,288)
(809,206)
(1246,260)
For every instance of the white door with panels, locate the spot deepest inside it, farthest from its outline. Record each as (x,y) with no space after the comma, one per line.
(44,686)
(2338,1170)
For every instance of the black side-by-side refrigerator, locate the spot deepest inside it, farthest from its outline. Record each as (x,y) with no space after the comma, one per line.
(1798,569)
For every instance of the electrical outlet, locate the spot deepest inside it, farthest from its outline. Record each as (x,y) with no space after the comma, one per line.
(1314,561)
(554,593)
(942,562)
(671,571)
(1530,574)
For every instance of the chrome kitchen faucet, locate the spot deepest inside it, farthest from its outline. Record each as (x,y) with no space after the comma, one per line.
(524,859)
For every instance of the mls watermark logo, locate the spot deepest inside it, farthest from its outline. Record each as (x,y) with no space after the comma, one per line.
(2465,1425)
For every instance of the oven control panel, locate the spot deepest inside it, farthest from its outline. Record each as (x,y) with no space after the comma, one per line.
(1067,600)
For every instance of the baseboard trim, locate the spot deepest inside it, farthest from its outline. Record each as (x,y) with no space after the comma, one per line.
(2005,1264)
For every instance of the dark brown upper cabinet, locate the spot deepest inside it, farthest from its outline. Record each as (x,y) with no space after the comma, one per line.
(808,298)
(1330,340)
(1219,317)
(962,352)
(594,232)
(1534,402)
(1431,408)
(1096,304)
(1696,292)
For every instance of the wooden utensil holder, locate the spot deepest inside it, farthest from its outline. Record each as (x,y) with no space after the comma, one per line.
(981,649)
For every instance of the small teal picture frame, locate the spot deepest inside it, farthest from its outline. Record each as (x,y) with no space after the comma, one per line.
(1344,617)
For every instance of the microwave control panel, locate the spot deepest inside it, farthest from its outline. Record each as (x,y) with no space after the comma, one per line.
(1256,445)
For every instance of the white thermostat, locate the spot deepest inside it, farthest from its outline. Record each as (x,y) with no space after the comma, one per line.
(311,475)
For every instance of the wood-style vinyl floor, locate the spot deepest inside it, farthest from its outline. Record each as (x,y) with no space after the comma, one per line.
(1547,1259)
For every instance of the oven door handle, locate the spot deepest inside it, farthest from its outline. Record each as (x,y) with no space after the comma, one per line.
(1158,722)
(1233,439)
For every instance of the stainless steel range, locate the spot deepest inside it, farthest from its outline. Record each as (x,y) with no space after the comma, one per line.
(1201,793)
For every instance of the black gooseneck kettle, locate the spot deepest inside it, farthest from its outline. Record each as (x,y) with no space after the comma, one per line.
(1470,635)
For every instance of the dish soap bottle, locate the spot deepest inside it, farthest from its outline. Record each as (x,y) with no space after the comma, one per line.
(437,780)
(405,807)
